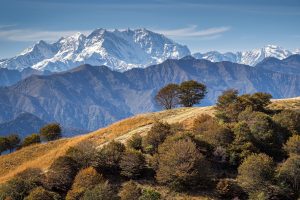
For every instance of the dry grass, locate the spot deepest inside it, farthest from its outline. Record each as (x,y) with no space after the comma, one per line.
(291,103)
(42,155)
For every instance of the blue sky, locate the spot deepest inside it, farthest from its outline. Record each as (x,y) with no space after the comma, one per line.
(203,25)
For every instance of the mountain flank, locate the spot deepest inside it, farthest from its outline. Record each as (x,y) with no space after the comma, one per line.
(43,155)
(90,97)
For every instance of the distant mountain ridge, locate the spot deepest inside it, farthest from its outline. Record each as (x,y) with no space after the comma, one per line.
(89,97)
(290,65)
(9,77)
(252,57)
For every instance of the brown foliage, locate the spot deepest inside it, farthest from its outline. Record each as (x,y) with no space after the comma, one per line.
(156,136)
(61,174)
(180,164)
(167,97)
(85,179)
(130,191)
(109,157)
(132,164)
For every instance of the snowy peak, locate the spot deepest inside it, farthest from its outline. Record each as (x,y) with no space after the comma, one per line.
(257,55)
(251,57)
(119,49)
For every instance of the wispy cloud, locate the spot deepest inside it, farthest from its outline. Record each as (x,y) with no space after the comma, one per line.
(28,35)
(11,33)
(193,32)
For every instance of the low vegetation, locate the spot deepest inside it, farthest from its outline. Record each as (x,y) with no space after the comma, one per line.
(245,151)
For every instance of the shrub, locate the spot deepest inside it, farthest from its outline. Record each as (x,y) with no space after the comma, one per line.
(156,136)
(135,142)
(85,179)
(13,141)
(264,133)
(83,153)
(229,189)
(51,132)
(289,119)
(4,144)
(61,173)
(150,194)
(167,97)
(209,130)
(289,172)
(40,193)
(242,145)
(33,175)
(108,158)
(256,172)
(180,164)
(103,191)
(31,139)
(191,93)
(293,145)
(226,107)
(230,105)
(130,191)
(132,164)
(16,189)
(272,192)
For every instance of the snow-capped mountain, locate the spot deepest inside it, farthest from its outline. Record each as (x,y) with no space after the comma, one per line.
(248,57)
(120,50)
(123,50)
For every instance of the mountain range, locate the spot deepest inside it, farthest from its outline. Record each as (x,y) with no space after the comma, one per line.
(11,76)
(251,57)
(89,97)
(122,50)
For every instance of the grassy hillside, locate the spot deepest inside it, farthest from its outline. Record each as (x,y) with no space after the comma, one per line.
(42,155)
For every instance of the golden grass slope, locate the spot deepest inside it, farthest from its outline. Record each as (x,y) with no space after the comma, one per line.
(42,155)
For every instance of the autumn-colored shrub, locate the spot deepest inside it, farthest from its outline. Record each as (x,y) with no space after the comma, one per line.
(255,172)
(292,146)
(40,193)
(61,174)
(103,191)
(150,194)
(289,119)
(156,136)
(135,142)
(83,153)
(208,129)
(130,191)
(132,164)
(229,189)
(108,158)
(34,175)
(289,172)
(16,189)
(85,179)
(180,164)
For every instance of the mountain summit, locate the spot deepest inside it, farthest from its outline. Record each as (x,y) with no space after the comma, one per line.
(251,57)
(120,50)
